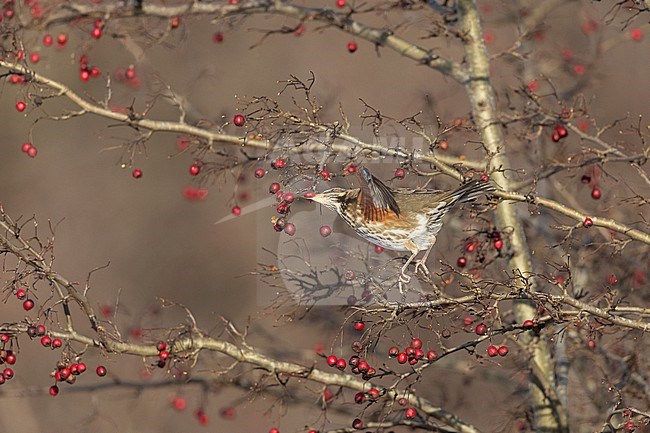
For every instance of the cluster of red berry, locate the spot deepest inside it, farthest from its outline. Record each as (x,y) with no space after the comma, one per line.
(65,371)
(474,246)
(412,354)
(163,354)
(86,71)
(559,133)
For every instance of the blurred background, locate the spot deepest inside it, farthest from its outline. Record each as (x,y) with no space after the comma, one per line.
(158,244)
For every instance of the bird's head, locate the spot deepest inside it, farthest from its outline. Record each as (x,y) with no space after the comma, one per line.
(333,198)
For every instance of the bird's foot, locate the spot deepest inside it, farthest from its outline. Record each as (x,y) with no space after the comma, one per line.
(420,264)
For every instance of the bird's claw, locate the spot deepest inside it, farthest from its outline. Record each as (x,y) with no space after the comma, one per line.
(421,265)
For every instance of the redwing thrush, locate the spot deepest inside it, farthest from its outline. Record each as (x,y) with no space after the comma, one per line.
(398,219)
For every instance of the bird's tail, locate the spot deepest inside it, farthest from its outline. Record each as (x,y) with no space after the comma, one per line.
(469,191)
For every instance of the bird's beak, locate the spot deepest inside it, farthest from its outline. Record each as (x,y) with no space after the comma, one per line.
(318,198)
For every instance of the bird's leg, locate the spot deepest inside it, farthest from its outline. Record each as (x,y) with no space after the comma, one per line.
(403,277)
(422,263)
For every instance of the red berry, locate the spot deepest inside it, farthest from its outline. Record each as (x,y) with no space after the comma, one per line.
(54,390)
(561,130)
(630,426)
(363,367)
(202,417)
(492,351)
(195,169)
(379,249)
(239,120)
(28,304)
(137,173)
(278,164)
(179,403)
(56,343)
(34,57)
(64,373)
(101,371)
(352,47)
(20,106)
(470,247)
(259,173)
(431,355)
(352,169)
(25,147)
(416,343)
(498,244)
(32,152)
(503,350)
(410,413)
(358,326)
(4,338)
(21,294)
(359,397)
(402,358)
(481,329)
(340,3)
(47,40)
(591,344)
(161,345)
(289,197)
(596,194)
(587,222)
(325,231)
(163,355)
(357,424)
(81,367)
(10,359)
(461,262)
(579,69)
(46,341)
(290,229)
(373,393)
(341,364)
(528,324)
(96,33)
(274,430)
(84,75)
(62,39)
(555,137)
(636,34)
(7,373)
(326,174)
(611,279)
(236,211)
(331,360)
(399,173)
(282,208)
(274,188)
(468,321)
(218,38)
(393,351)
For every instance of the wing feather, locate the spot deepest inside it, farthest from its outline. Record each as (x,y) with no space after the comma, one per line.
(377,200)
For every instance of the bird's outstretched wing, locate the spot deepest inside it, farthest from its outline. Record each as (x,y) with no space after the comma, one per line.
(376,199)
